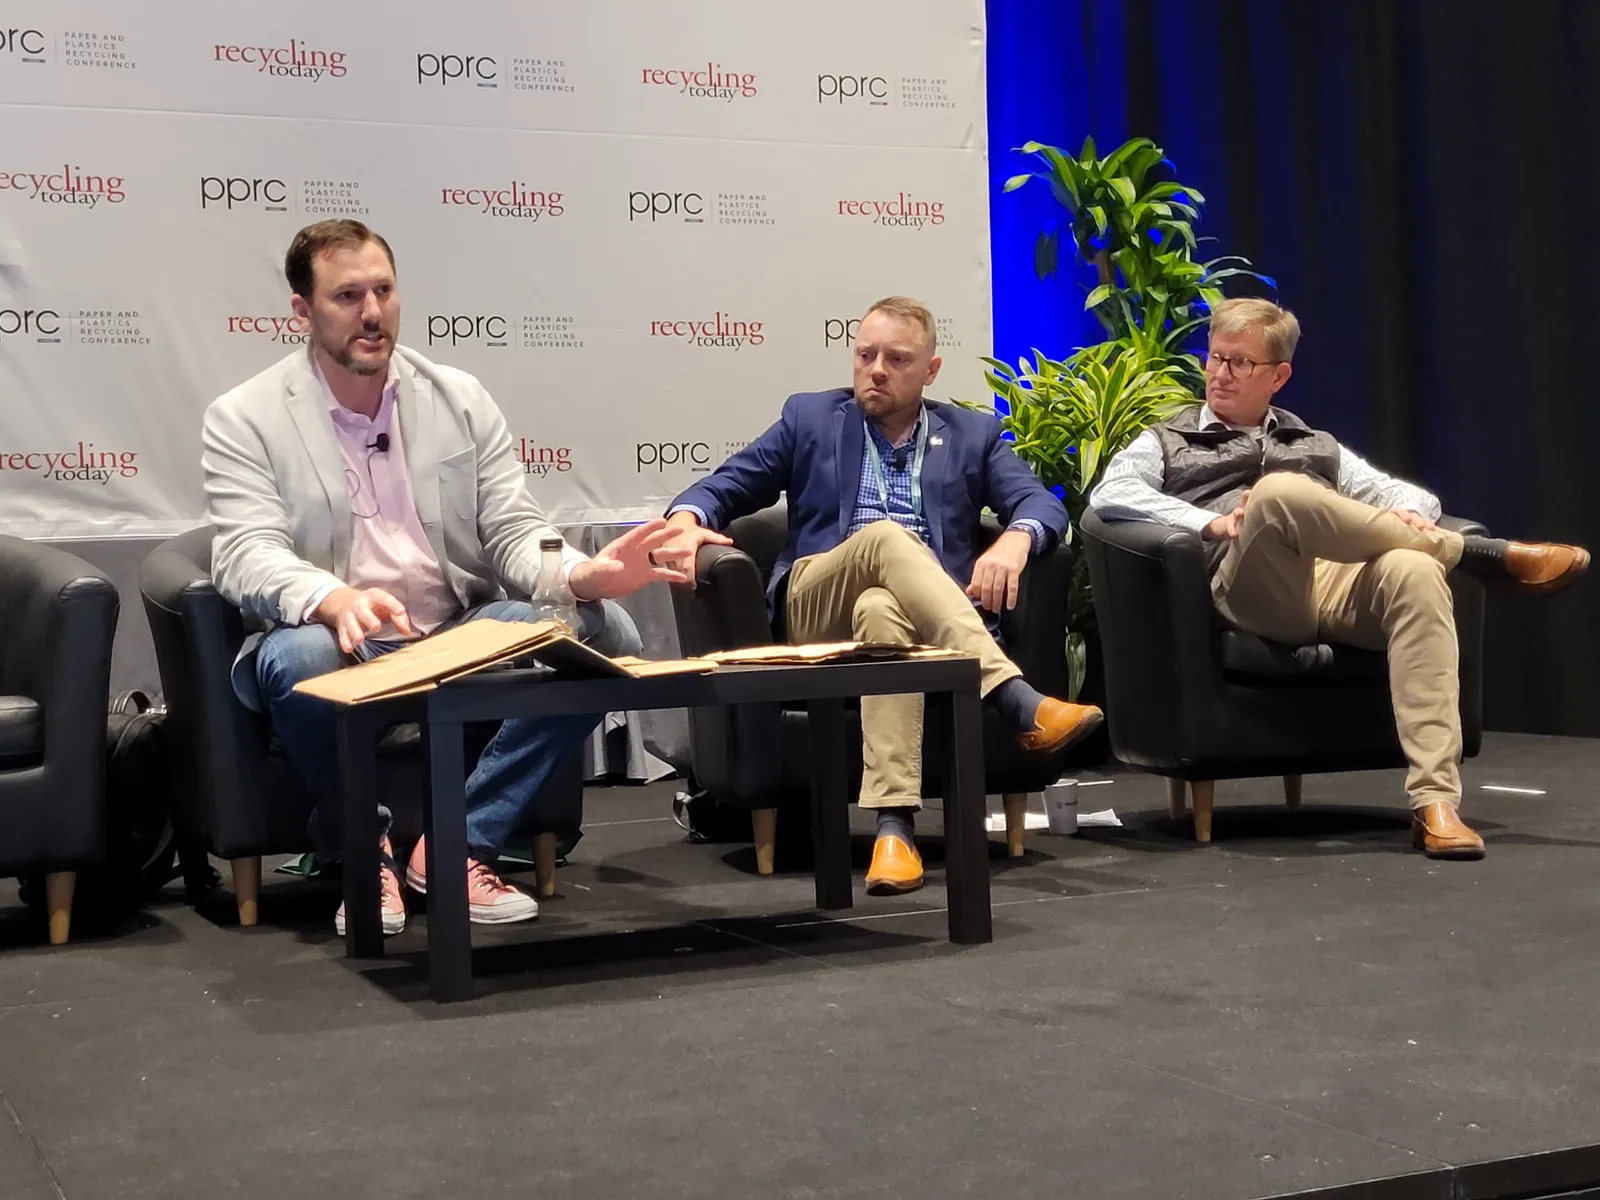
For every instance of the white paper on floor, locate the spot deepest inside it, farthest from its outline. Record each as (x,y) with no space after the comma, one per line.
(1104,819)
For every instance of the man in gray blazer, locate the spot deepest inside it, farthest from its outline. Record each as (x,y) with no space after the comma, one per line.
(364,496)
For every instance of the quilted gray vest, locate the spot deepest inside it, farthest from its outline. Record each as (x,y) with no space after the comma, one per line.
(1211,468)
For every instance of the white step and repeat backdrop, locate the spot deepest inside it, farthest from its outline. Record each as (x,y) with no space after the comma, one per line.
(642,224)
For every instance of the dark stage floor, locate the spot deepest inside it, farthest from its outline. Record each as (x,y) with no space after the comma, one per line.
(1304,1004)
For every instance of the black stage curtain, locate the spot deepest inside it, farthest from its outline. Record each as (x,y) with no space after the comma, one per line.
(1419,176)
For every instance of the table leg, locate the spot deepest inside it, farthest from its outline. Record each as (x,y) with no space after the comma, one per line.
(445,825)
(358,783)
(955,721)
(830,802)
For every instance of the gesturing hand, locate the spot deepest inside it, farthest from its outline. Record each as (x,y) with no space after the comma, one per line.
(997,574)
(623,566)
(354,614)
(688,536)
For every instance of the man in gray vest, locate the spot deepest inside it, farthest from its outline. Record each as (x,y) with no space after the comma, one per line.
(1307,541)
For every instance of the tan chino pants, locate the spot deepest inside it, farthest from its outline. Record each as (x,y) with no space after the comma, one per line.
(1310,565)
(883,584)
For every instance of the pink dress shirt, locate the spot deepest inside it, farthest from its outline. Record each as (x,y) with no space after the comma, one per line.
(388,548)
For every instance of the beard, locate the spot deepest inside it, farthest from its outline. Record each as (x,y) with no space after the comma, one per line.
(344,354)
(879,405)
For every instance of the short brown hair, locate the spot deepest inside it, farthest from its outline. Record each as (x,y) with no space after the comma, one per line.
(911,310)
(1279,327)
(340,234)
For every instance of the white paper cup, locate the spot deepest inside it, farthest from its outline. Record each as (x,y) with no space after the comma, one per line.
(1061,806)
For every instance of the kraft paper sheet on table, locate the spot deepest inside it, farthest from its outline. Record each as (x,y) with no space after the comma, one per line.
(479,645)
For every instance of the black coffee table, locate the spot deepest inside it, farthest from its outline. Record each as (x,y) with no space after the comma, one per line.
(952,720)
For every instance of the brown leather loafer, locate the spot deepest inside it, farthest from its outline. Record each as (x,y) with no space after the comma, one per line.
(896,867)
(1539,568)
(1058,724)
(1546,566)
(1437,830)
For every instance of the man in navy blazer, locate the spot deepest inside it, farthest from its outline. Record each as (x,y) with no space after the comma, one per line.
(885,488)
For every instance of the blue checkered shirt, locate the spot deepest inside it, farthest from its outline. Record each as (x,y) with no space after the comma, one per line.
(897,482)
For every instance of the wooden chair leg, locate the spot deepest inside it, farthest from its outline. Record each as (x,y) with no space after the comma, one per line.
(1203,792)
(1291,790)
(764,824)
(1016,806)
(247,887)
(544,865)
(58,896)
(1177,798)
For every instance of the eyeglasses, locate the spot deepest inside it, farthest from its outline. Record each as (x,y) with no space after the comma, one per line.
(1238,365)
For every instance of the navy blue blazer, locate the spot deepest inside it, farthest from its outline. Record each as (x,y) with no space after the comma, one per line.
(814,454)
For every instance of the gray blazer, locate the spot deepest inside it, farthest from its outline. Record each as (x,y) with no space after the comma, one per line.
(276,493)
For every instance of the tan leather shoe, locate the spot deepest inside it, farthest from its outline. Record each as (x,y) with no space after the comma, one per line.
(1058,724)
(1437,830)
(1536,567)
(1545,566)
(896,867)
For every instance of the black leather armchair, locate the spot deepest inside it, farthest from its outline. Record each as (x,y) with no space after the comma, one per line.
(239,795)
(1196,700)
(757,756)
(58,616)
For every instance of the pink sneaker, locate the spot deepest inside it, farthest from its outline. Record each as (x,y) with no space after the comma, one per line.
(490,899)
(393,906)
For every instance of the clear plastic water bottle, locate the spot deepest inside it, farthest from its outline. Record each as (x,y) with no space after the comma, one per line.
(552,600)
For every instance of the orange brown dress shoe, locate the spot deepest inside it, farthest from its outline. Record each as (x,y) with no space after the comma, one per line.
(1058,724)
(896,867)
(1539,568)
(1437,830)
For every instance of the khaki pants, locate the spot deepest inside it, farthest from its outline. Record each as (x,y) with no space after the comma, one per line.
(883,585)
(1309,565)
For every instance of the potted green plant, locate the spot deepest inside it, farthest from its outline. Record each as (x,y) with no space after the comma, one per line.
(1131,230)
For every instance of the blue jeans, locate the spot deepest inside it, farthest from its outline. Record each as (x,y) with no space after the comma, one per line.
(517,763)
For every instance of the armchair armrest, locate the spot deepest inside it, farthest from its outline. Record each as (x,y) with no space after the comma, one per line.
(197,635)
(58,617)
(1035,631)
(1463,525)
(1152,601)
(727,607)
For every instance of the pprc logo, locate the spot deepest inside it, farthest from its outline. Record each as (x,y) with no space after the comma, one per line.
(710,82)
(237,191)
(81,464)
(873,91)
(697,457)
(30,46)
(442,70)
(903,211)
(517,200)
(297,60)
(70,185)
(838,331)
(36,324)
(687,207)
(473,329)
(287,331)
(720,332)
